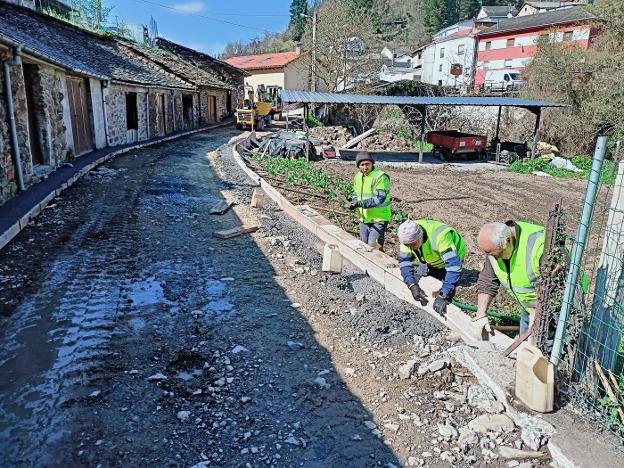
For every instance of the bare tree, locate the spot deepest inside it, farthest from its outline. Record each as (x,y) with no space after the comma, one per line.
(344,38)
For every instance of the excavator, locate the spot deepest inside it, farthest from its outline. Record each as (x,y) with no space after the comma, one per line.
(256,114)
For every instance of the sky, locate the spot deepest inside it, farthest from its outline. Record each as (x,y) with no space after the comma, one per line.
(187,21)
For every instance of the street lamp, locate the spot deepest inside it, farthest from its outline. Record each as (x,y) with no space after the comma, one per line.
(313,17)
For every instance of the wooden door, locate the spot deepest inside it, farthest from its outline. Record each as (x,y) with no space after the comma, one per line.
(77,93)
(161,114)
(212,108)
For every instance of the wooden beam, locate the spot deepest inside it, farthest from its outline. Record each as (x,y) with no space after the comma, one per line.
(228,233)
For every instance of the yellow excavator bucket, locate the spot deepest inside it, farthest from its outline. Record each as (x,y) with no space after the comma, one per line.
(263,108)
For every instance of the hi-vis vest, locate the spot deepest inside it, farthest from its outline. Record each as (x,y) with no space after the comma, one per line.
(523,275)
(365,187)
(441,239)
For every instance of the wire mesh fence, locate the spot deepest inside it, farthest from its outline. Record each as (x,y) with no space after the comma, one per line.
(591,367)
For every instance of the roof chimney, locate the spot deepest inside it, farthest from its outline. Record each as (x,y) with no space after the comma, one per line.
(298,48)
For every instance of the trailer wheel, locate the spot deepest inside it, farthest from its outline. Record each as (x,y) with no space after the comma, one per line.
(445,154)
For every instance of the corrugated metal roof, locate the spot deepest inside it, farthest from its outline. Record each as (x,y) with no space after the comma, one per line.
(292,96)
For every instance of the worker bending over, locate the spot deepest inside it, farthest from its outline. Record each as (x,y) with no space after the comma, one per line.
(435,249)
(371,199)
(514,251)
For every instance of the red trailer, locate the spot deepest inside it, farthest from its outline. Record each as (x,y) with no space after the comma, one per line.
(448,143)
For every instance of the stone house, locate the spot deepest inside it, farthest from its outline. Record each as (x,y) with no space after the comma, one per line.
(234,77)
(73,91)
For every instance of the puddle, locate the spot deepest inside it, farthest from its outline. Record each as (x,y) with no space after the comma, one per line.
(147,292)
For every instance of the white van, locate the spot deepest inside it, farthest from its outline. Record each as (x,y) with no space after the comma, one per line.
(503,80)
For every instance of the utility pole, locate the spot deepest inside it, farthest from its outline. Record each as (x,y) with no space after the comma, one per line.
(313,87)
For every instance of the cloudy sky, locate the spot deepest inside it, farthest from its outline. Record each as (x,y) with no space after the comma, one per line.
(205,25)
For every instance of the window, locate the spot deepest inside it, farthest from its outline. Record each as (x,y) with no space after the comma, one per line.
(488,45)
(511,42)
(132,112)
(508,64)
(461,49)
(440,68)
(442,52)
(567,35)
(439,82)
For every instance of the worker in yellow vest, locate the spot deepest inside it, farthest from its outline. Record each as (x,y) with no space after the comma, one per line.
(371,200)
(432,248)
(514,251)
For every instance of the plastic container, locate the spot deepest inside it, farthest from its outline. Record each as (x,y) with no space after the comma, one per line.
(535,379)
(332,260)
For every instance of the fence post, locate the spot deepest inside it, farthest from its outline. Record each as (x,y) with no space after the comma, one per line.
(579,248)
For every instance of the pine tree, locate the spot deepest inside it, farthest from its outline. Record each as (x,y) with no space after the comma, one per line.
(297,21)
(469,8)
(434,14)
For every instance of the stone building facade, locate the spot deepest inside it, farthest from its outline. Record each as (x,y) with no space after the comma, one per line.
(75,92)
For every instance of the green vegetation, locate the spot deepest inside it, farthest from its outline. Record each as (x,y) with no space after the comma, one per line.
(313,121)
(607,176)
(299,172)
(587,79)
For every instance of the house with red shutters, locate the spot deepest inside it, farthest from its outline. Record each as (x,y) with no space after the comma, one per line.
(512,43)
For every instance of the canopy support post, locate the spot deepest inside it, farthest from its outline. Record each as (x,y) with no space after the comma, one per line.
(538,119)
(423,114)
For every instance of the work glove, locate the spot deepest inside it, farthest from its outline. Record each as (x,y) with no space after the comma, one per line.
(353,205)
(440,304)
(479,325)
(418,294)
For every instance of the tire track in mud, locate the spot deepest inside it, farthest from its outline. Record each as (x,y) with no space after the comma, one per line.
(69,322)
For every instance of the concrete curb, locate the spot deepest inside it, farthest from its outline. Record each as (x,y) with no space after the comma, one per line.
(17,227)
(377,265)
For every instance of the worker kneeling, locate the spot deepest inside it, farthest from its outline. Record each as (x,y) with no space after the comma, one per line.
(431,248)
(514,251)
(371,199)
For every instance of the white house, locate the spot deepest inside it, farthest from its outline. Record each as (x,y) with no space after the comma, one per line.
(533,8)
(449,59)
(392,74)
(495,13)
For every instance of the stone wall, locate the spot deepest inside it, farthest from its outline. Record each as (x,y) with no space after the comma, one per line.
(7,172)
(48,99)
(116,114)
(142,111)
(8,179)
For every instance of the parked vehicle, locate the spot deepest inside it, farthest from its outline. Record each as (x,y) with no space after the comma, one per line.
(448,143)
(503,80)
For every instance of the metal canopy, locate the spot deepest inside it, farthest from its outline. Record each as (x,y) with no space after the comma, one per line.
(307,97)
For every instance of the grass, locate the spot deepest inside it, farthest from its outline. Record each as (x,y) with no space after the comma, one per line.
(607,175)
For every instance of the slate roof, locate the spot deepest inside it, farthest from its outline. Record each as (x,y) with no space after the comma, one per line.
(539,20)
(498,10)
(263,61)
(226,72)
(174,64)
(78,50)
(550,5)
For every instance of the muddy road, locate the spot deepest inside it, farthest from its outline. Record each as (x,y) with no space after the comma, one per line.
(129,336)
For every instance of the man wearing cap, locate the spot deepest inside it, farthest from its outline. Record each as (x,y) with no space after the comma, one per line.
(371,199)
(435,249)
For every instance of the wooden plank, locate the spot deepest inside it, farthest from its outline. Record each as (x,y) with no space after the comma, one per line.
(354,141)
(221,208)
(228,233)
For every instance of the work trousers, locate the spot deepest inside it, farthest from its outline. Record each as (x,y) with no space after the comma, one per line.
(371,233)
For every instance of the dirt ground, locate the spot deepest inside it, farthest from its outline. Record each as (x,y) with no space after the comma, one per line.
(466,199)
(132,337)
